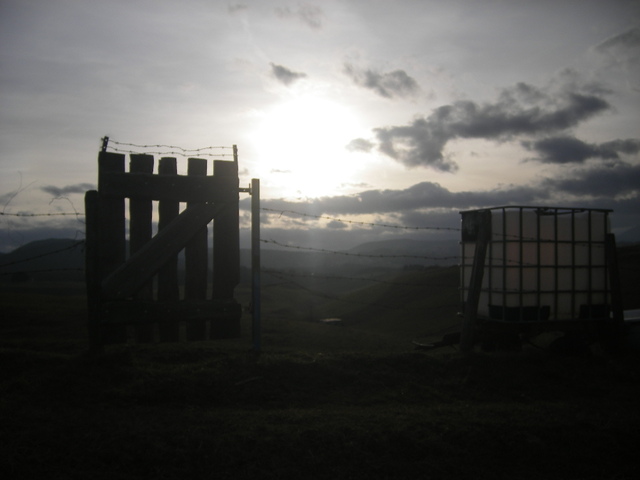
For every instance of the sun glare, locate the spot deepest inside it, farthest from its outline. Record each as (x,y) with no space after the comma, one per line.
(301,146)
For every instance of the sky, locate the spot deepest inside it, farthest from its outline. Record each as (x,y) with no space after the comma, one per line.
(391,112)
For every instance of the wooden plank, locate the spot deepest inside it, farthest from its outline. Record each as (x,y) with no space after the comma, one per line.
(168,275)
(130,277)
(226,240)
(469,327)
(179,188)
(111,243)
(196,256)
(226,248)
(92,269)
(140,232)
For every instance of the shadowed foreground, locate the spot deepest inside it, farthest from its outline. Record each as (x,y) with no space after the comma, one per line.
(320,401)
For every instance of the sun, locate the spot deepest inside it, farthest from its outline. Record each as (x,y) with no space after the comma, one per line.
(301,146)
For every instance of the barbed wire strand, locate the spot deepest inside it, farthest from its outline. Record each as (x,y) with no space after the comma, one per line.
(171,153)
(24,260)
(352,254)
(341,277)
(173,147)
(57,214)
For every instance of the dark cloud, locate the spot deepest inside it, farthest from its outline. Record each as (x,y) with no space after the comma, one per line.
(360,145)
(388,85)
(523,110)
(425,195)
(621,180)
(309,14)
(285,75)
(567,149)
(69,189)
(615,186)
(626,40)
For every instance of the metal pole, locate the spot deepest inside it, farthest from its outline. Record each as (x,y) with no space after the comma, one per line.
(255,262)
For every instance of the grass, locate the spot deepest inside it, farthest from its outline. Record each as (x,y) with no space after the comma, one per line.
(321,401)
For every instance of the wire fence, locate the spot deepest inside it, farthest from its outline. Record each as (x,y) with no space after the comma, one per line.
(165,150)
(287,245)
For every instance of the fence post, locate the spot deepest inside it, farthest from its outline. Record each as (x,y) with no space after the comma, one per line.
(226,250)
(168,276)
(255,264)
(111,236)
(226,239)
(196,262)
(140,216)
(93,274)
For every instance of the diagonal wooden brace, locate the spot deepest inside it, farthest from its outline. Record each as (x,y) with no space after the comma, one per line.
(146,262)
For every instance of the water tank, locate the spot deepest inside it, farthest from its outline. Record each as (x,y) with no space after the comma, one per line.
(542,263)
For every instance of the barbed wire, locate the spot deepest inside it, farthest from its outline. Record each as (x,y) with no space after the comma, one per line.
(56,214)
(174,147)
(171,153)
(341,277)
(24,260)
(352,254)
(166,149)
(357,222)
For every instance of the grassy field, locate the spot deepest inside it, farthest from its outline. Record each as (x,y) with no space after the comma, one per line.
(320,401)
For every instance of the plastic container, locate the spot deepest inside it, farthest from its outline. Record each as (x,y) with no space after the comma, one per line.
(542,263)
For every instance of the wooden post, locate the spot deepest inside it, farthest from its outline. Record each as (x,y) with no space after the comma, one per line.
(468,336)
(111,238)
(168,276)
(226,240)
(93,274)
(196,262)
(256,327)
(226,250)
(140,214)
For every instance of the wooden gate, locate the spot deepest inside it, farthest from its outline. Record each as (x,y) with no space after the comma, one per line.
(133,288)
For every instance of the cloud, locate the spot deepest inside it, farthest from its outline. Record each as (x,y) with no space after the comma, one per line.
(237,7)
(69,189)
(309,14)
(567,149)
(614,186)
(285,75)
(522,110)
(626,40)
(621,181)
(360,145)
(424,195)
(388,85)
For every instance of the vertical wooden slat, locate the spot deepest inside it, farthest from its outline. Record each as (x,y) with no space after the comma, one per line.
(169,330)
(226,250)
(111,243)
(226,241)
(92,268)
(196,262)
(140,232)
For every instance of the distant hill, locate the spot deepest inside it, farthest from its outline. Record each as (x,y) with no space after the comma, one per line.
(630,236)
(50,259)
